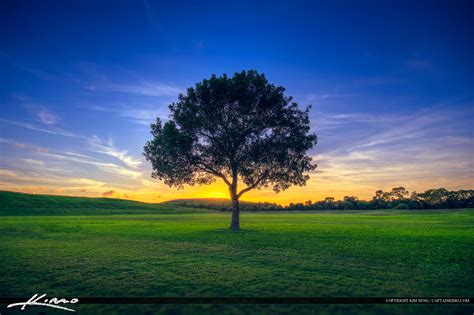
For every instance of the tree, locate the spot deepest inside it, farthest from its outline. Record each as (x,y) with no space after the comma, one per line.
(353,201)
(398,193)
(435,198)
(380,199)
(328,203)
(239,128)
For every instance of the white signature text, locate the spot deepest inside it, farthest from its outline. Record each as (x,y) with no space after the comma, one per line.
(40,300)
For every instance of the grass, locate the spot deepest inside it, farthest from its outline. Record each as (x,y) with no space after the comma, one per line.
(338,253)
(13,203)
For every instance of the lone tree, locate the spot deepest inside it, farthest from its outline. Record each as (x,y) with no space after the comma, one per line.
(235,129)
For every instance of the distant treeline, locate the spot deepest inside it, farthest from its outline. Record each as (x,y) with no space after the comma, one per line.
(398,198)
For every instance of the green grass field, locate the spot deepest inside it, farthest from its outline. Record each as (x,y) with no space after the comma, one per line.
(339,253)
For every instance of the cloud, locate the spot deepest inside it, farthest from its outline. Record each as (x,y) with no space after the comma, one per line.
(14,143)
(53,131)
(8,173)
(115,194)
(32,182)
(110,168)
(98,79)
(85,183)
(109,193)
(47,118)
(33,161)
(64,182)
(108,148)
(327,96)
(144,115)
(429,147)
(141,88)
(41,113)
(412,128)
(21,145)
(370,169)
(97,145)
(330,121)
(80,155)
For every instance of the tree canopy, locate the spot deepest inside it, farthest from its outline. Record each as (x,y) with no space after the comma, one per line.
(239,128)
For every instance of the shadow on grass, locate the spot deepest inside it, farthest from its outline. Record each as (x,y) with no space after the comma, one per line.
(222,231)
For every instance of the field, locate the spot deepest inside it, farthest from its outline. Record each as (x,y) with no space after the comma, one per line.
(339,253)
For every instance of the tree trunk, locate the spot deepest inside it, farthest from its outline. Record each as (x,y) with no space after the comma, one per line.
(235,223)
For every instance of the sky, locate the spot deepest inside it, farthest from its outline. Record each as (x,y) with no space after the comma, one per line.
(390,83)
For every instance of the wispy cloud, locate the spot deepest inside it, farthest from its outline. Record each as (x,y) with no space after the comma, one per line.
(412,150)
(141,88)
(96,144)
(324,121)
(44,115)
(47,118)
(22,145)
(143,115)
(33,161)
(8,173)
(12,142)
(64,183)
(114,194)
(326,96)
(46,129)
(107,147)
(110,168)
(108,193)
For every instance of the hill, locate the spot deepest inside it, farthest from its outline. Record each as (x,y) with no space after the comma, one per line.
(14,203)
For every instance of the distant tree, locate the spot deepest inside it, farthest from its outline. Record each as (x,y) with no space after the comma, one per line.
(430,199)
(345,205)
(461,199)
(414,201)
(398,193)
(435,198)
(298,206)
(328,203)
(402,206)
(379,201)
(353,201)
(379,194)
(239,128)
(364,205)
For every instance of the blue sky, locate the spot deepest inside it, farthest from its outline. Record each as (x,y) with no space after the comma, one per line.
(390,83)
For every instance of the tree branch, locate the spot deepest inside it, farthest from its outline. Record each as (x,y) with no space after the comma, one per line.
(208,169)
(257,182)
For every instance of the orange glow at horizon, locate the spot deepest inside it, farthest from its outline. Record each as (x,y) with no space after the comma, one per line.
(155,191)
